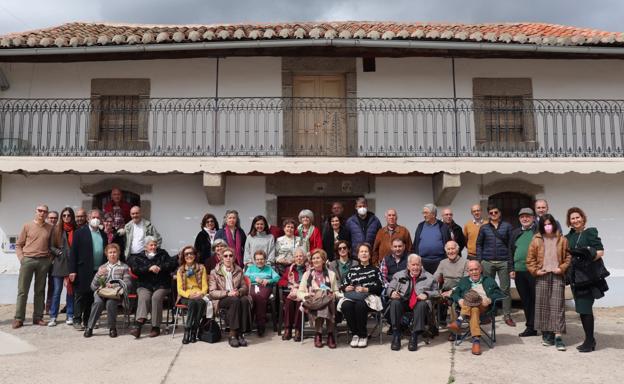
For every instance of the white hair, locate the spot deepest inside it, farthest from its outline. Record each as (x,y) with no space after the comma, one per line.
(306,213)
(413,256)
(431,208)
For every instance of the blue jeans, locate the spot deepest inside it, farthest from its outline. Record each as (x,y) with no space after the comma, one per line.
(56,299)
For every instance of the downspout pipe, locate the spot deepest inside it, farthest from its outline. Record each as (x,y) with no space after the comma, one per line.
(303,43)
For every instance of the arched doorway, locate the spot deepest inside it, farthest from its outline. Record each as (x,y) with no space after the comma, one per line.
(100,199)
(510,204)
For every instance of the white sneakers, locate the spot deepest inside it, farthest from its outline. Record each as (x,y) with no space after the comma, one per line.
(52,322)
(363,342)
(359,342)
(69,321)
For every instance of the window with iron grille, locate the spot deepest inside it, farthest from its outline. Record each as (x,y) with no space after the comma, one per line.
(503,114)
(119,114)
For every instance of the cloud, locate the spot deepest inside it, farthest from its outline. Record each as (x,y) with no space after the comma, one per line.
(605,14)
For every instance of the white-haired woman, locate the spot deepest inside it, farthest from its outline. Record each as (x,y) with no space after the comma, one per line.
(307,232)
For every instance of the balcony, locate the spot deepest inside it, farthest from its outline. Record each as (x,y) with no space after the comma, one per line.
(273,126)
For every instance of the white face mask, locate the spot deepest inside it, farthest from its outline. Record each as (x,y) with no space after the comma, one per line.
(362,211)
(150,255)
(94,223)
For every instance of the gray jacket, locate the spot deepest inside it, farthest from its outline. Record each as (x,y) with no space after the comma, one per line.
(402,283)
(60,263)
(149,231)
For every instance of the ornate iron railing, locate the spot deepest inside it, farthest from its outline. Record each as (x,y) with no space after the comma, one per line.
(273,126)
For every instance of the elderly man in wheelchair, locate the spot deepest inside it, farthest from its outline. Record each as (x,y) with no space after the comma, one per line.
(475,294)
(410,290)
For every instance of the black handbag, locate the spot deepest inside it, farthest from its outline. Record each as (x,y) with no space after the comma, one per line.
(209,331)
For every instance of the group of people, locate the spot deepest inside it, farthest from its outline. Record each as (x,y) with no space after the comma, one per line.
(345,268)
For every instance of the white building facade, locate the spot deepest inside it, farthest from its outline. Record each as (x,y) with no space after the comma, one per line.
(270,129)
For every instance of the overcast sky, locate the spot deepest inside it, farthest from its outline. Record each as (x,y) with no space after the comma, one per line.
(18,15)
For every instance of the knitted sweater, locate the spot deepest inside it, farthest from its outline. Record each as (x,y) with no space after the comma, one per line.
(263,241)
(265,273)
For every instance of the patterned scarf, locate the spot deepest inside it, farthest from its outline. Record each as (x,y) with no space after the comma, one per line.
(197,268)
(307,235)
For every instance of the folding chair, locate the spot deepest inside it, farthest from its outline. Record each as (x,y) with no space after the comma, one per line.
(488,317)
(180,310)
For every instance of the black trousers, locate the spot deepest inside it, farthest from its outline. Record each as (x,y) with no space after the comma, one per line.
(195,313)
(237,313)
(356,313)
(83,301)
(430,265)
(525,283)
(420,313)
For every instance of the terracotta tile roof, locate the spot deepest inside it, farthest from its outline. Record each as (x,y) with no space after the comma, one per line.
(91,34)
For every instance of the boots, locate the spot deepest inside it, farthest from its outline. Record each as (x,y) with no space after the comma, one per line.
(187,336)
(331,342)
(589,344)
(413,342)
(287,335)
(396,341)
(194,334)
(136,330)
(318,340)
(297,337)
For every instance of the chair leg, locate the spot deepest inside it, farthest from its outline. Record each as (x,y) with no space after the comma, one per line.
(175,321)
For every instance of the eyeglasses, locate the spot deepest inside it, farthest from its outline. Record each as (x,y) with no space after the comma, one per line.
(66,215)
(42,210)
(189,254)
(227,255)
(494,212)
(342,248)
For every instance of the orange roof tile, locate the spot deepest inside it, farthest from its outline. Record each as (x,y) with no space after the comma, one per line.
(88,34)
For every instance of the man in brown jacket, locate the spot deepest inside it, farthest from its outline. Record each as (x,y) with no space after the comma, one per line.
(383,240)
(33,251)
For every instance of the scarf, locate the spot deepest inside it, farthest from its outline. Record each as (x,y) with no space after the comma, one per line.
(69,230)
(234,244)
(211,234)
(307,235)
(229,277)
(198,271)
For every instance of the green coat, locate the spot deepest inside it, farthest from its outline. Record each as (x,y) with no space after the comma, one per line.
(489,286)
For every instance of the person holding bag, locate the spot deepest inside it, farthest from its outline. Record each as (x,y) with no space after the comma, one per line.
(192,285)
(361,289)
(109,284)
(318,290)
(582,238)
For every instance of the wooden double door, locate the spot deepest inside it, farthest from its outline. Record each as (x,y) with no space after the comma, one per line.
(289,207)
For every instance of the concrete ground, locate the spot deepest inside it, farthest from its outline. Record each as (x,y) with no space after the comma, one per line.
(35,354)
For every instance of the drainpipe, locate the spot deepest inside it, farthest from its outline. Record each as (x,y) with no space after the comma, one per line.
(4,82)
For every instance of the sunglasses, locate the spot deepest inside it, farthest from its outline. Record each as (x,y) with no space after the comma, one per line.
(189,254)
(342,248)
(227,255)
(494,212)
(42,210)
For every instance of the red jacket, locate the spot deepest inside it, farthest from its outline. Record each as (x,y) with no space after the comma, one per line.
(315,241)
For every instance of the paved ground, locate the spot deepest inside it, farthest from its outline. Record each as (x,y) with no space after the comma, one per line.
(40,354)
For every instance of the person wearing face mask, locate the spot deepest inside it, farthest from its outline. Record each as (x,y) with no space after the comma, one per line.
(154,268)
(362,226)
(87,254)
(547,260)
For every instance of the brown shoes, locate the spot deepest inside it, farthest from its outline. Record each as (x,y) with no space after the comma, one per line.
(318,340)
(287,335)
(331,342)
(17,324)
(39,322)
(454,327)
(476,347)
(297,337)
(155,332)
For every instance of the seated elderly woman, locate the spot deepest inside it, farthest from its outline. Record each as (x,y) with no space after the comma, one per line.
(263,278)
(409,290)
(289,283)
(154,269)
(227,290)
(448,273)
(192,285)
(318,291)
(105,276)
(474,294)
(218,247)
(362,287)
